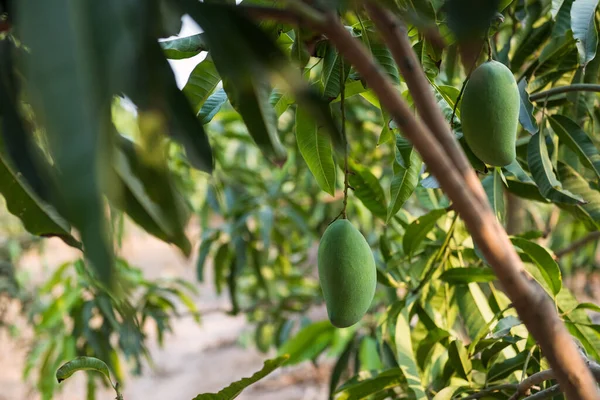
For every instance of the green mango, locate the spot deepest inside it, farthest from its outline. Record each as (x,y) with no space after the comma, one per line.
(347,273)
(490,113)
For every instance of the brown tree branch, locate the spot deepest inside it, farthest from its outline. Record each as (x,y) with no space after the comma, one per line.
(534,380)
(449,165)
(545,394)
(577,244)
(576,87)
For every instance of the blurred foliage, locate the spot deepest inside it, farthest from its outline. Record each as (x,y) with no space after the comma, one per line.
(92,120)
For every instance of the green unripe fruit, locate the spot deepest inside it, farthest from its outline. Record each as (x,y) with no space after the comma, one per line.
(347,273)
(490,113)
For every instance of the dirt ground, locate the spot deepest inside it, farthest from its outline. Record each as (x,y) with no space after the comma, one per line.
(196,358)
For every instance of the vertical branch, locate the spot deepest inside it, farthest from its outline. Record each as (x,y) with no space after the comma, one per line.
(343,112)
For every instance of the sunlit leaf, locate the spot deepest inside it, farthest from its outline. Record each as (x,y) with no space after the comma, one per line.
(577,140)
(403,185)
(584,28)
(418,229)
(468,275)
(202,82)
(184,47)
(544,261)
(368,189)
(308,342)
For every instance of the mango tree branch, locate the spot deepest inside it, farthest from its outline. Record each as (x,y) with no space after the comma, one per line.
(534,307)
(577,244)
(576,87)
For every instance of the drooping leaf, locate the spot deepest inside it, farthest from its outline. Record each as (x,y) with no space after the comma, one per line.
(418,229)
(207,240)
(474,309)
(494,188)
(504,326)
(543,175)
(544,261)
(202,82)
(184,47)
(403,184)
(501,370)
(331,73)
(72,107)
(233,390)
(577,140)
(526,110)
(375,383)
(459,358)
(584,28)
(588,213)
(308,342)
(382,54)
(368,190)
(340,365)
(316,150)
(406,356)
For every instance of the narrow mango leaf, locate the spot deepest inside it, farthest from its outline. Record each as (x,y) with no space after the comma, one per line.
(368,189)
(474,309)
(467,275)
(544,261)
(202,82)
(578,321)
(543,175)
(588,213)
(331,73)
(208,238)
(376,383)
(526,118)
(494,188)
(184,47)
(316,150)
(406,356)
(501,370)
(82,364)
(68,101)
(280,101)
(419,228)
(149,196)
(577,140)
(384,58)
(459,359)
(250,98)
(233,390)
(308,342)
(368,354)
(212,105)
(403,185)
(340,366)
(504,326)
(584,29)
(38,217)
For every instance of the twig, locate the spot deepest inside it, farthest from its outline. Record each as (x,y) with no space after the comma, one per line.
(534,380)
(576,87)
(577,244)
(491,389)
(544,394)
(343,112)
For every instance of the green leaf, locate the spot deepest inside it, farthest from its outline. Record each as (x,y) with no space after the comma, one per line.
(250,98)
(38,217)
(202,82)
(280,101)
(468,275)
(504,326)
(316,150)
(501,370)
(233,391)
(406,356)
(382,54)
(419,228)
(375,383)
(184,47)
(577,140)
(72,107)
(588,213)
(212,105)
(459,359)
(403,185)
(82,364)
(544,261)
(584,29)
(543,175)
(309,342)
(368,354)
(494,188)
(331,73)
(368,189)
(526,110)
(148,194)
(208,238)
(474,309)
(340,366)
